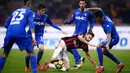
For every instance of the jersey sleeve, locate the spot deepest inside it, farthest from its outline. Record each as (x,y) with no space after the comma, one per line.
(91,20)
(7,23)
(31,19)
(49,21)
(108,28)
(85,47)
(72,19)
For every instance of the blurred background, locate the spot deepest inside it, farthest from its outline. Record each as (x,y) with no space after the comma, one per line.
(60,10)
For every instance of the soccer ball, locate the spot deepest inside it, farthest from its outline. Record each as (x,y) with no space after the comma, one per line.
(59,64)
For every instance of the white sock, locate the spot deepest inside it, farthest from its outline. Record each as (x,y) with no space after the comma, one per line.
(78,65)
(56,52)
(52,65)
(63,69)
(101,66)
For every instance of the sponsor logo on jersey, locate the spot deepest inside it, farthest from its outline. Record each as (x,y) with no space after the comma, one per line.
(39,23)
(80,18)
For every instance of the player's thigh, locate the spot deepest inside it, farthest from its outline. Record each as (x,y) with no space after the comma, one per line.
(41,47)
(113,42)
(61,44)
(8,43)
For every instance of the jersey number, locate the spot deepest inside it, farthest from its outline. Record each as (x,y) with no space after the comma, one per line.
(17,16)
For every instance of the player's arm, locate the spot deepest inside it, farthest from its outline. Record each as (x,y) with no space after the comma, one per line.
(91,20)
(91,59)
(93,9)
(80,37)
(49,21)
(108,31)
(71,20)
(32,26)
(108,40)
(7,23)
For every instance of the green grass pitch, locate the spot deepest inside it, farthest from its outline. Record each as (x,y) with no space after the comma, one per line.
(15,62)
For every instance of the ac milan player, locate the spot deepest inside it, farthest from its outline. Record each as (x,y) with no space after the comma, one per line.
(78,41)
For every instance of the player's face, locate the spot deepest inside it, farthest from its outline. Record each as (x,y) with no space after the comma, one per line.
(88,37)
(41,12)
(82,4)
(98,19)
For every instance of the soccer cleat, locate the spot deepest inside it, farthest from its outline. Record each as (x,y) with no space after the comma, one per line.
(100,69)
(120,67)
(82,60)
(54,60)
(46,66)
(27,69)
(39,67)
(75,67)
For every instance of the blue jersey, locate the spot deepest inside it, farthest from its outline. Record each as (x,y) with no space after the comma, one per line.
(109,27)
(39,22)
(18,21)
(82,20)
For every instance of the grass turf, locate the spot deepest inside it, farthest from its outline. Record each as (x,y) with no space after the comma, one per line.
(15,62)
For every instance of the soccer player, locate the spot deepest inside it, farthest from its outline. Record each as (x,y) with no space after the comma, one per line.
(40,19)
(112,39)
(82,19)
(78,41)
(16,33)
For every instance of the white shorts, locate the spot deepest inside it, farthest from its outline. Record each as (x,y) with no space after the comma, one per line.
(63,54)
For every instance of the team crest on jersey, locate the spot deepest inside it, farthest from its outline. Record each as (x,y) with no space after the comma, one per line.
(85,14)
(77,13)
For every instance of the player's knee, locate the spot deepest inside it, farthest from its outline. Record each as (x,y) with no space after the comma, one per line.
(5,55)
(41,49)
(105,51)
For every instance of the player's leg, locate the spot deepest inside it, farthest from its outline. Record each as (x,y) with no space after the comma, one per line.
(63,56)
(112,57)
(39,55)
(27,59)
(77,58)
(58,49)
(56,52)
(100,57)
(8,43)
(40,45)
(26,44)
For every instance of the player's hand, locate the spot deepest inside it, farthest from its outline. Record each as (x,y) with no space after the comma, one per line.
(64,32)
(90,30)
(34,41)
(107,47)
(66,22)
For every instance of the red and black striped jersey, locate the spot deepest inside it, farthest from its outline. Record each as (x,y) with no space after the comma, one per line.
(74,43)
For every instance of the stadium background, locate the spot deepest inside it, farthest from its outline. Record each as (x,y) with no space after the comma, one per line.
(60,10)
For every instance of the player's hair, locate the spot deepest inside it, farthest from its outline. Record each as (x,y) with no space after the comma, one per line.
(41,6)
(91,33)
(98,14)
(84,0)
(26,2)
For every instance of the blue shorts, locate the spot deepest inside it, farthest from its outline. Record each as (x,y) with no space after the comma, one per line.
(23,43)
(112,42)
(39,40)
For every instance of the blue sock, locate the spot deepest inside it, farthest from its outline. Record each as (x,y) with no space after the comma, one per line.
(39,56)
(112,57)
(27,58)
(76,55)
(33,63)
(2,62)
(100,56)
